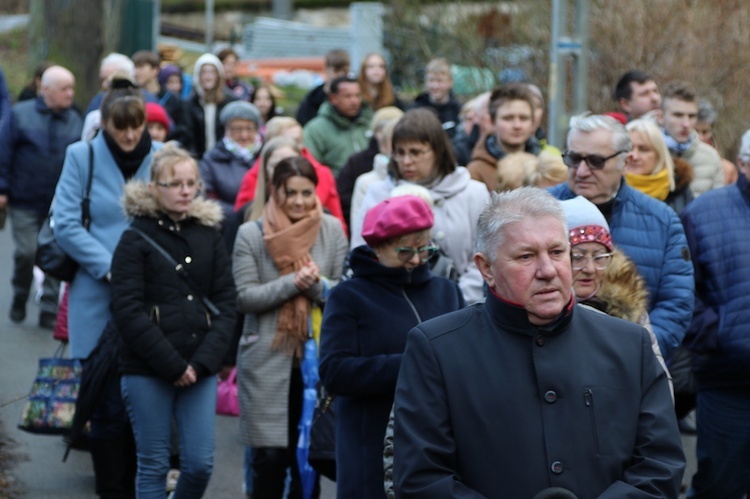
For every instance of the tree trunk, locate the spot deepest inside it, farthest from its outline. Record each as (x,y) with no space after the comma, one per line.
(75,34)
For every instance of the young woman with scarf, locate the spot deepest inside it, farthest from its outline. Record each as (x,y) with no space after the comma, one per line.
(284,263)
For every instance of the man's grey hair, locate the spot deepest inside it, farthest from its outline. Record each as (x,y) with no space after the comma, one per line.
(53,75)
(120,62)
(706,112)
(509,207)
(587,123)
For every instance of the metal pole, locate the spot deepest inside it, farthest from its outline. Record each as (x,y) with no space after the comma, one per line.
(282,9)
(581,91)
(209,25)
(556,88)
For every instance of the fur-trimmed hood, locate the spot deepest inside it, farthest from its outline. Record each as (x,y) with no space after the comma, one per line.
(138,201)
(683,174)
(623,292)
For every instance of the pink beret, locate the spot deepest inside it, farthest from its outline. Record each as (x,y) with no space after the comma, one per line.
(157,114)
(396,217)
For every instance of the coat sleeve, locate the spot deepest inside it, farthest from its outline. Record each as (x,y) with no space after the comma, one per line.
(6,147)
(424,463)
(336,246)
(702,335)
(73,238)
(672,307)
(128,306)
(211,353)
(658,462)
(254,296)
(315,141)
(343,368)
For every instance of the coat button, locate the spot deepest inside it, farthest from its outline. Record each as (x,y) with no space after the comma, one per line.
(188,259)
(557,468)
(440,235)
(190,297)
(550,397)
(540,341)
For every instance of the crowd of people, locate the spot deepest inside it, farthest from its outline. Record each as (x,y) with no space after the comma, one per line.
(495,316)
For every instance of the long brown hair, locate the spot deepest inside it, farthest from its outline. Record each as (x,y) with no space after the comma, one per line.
(385,94)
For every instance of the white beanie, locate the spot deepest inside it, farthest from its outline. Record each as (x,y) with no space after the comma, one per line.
(586,224)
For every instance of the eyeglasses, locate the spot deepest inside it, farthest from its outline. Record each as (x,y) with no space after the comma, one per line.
(413,154)
(594,161)
(581,260)
(425,253)
(242,129)
(177,185)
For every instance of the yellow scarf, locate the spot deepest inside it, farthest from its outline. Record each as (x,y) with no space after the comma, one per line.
(656,185)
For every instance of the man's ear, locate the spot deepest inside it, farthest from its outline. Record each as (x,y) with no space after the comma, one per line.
(485,268)
(624,104)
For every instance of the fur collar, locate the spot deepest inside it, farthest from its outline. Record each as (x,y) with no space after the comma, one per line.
(138,201)
(683,174)
(623,292)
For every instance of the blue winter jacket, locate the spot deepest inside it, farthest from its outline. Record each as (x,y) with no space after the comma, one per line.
(4,99)
(650,233)
(717,225)
(365,324)
(32,151)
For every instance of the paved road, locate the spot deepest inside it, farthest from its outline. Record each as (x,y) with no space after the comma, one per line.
(41,472)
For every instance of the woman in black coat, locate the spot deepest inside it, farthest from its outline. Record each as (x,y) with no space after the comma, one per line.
(364,330)
(174,342)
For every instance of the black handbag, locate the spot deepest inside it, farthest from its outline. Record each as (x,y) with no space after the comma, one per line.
(322,452)
(50,257)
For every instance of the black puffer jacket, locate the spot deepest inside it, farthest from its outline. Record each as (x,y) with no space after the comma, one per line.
(163,323)
(195,121)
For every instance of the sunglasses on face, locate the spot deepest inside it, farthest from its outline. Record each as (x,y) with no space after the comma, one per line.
(425,253)
(594,161)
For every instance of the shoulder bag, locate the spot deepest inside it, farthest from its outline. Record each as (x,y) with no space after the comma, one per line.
(50,257)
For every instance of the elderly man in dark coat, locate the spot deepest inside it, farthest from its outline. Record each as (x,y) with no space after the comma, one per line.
(530,391)
(33,140)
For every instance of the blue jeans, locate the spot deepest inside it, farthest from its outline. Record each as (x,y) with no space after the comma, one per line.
(26,225)
(723,445)
(151,404)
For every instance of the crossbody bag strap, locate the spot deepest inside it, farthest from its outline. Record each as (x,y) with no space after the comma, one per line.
(86,201)
(181,271)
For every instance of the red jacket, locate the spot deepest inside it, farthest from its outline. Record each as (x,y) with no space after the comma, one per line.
(326,188)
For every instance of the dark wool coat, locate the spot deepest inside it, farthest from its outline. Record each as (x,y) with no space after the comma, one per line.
(365,323)
(164,325)
(489,405)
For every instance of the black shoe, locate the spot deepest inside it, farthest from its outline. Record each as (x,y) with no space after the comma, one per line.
(18,309)
(47,320)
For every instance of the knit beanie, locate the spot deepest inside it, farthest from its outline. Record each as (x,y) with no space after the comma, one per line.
(586,224)
(157,114)
(396,217)
(166,71)
(240,110)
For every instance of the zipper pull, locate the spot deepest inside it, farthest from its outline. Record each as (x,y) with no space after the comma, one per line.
(588,397)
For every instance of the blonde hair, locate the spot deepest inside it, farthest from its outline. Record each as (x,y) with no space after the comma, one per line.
(278,125)
(511,170)
(549,170)
(650,132)
(439,66)
(167,157)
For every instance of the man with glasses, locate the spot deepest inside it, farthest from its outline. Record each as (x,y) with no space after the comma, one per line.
(528,390)
(340,128)
(647,230)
